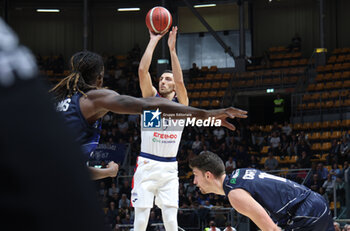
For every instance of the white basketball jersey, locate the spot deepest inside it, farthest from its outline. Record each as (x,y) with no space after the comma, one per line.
(163,143)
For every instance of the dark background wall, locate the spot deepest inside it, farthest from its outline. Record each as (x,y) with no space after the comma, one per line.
(272,24)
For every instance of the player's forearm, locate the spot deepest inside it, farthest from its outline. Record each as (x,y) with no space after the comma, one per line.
(176,67)
(146,59)
(99,173)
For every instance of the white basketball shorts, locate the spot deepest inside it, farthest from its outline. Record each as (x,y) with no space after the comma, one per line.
(155,179)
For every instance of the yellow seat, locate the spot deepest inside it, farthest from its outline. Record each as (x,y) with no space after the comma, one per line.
(215,103)
(198,86)
(335,124)
(209,76)
(326,146)
(212,94)
(325,124)
(221,94)
(207,85)
(293,159)
(316,125)
(328,85)
(204,94)
(346,84)
(204,69)
(344,93)
(218,76)
(334,94)
(205,103)
(311,87)
(345,123)
(337,75)
(306,126)
(325,135)
(319,86)
(224,84)
(311,106)
(194,103)
(335,135)
(215,85)
(190,86)
(338,84)
(213,69)
(329,104)
(262,160)
(196,94)
(319,78)
(331,205)
(265,150)
(346,103)
(226,76)
(315,96)
(316,146)
(325,95)
(315,136)
(306,97)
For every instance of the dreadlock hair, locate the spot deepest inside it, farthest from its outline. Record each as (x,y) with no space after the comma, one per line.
(86,67)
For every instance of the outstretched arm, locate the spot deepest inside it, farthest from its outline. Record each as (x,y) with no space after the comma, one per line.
(100,173)
(102,101)
(245,204)
(146,85)
(180,88)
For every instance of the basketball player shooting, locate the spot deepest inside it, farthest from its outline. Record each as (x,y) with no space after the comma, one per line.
(83,102)
(156,175)
(271,202)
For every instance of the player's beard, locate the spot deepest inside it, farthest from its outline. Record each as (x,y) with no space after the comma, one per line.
(165,91)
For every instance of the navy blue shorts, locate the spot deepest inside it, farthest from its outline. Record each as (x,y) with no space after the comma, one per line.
(312,214)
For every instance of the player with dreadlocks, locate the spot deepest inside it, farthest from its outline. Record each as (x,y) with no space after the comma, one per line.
(83,102)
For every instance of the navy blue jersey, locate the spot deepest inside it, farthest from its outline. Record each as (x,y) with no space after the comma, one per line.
(280,197)
(88,135)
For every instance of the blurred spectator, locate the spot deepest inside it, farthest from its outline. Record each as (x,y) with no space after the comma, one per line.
(271,163)
(336,226)
(278,108)
(124,202)
(197,145)
(230,165)
(296,43)
(315,183)
(293,146)
(333,153)
(274,142)
(344,149)
(194,71)
(112,213)
(125,188)
(328,185)
(219,133)
(322,172)
(286,129)
(304,160)
(335,171)
(229,228)
(191,188)
(212,227)
(113,189)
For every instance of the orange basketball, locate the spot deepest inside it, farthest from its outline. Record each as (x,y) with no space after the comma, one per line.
(158,20)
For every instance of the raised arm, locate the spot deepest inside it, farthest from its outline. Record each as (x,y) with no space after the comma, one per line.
(146,85)
(102,101)
(245,204)
(180,88)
